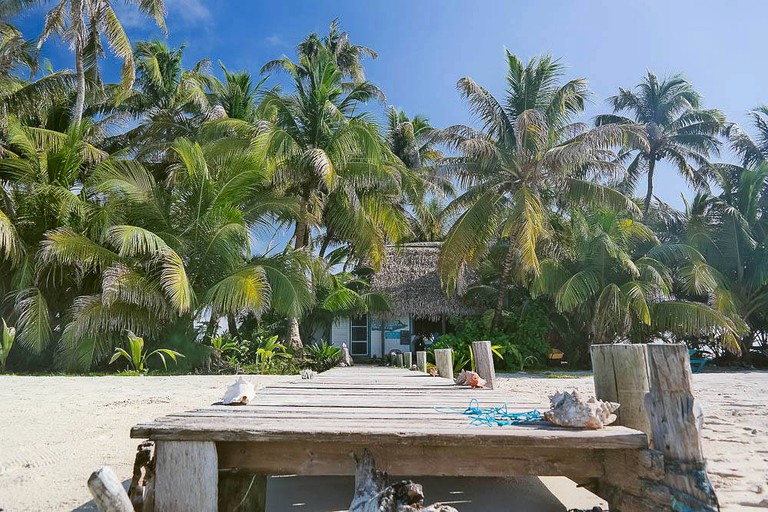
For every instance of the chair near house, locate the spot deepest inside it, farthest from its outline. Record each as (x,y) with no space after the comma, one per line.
(698,360)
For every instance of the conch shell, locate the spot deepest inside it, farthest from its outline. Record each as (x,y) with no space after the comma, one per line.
(466,378)
(239,393)
(574,410)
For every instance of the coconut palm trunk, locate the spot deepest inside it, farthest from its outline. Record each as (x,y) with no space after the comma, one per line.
(506,273)
(649,193)
(299,242)
(77,114)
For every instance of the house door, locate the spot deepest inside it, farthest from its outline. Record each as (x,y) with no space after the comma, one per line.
(358,338)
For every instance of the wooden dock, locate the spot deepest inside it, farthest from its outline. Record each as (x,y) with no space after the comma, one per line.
(409,421)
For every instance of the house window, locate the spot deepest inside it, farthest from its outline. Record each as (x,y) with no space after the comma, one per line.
(359,336)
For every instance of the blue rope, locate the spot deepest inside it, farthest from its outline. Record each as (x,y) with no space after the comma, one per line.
(492,416)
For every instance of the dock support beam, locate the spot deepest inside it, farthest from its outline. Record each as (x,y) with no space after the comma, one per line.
(654,386)
(444,362)
(483,355)
(421,360)
(407,360)
(187,476)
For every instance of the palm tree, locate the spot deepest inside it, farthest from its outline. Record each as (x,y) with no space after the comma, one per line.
(41,183)
(735,239)
(83,24)
(168,101)
(346,56)
(237,94)
(620,284)
(674,128)
(752,150)
(522,160)
(333,160)
(165,258)
(15,51)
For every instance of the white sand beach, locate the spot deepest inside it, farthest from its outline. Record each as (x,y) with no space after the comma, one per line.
(54,431)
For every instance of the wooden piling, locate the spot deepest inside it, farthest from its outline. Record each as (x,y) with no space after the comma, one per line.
(421,360)
(407,360)
(444,362)
(484,362)
(654,386)
(399,360)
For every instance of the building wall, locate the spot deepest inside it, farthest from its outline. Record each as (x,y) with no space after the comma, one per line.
(392,328)
(340,331)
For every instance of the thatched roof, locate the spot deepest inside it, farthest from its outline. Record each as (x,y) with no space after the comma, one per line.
(409,276)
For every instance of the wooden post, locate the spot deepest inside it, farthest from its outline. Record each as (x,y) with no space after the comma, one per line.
(444,362)
(399,360)
(421,360)
(653,385)
(392,359)
(408,359)
(239,492)
(187,474)
(484,362)
(108,492)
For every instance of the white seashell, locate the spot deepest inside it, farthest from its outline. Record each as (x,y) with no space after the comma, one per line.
(307,374)
(239,393)
(574,410)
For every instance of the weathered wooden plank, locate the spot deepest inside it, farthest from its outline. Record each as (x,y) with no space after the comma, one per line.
(631,376)
(187,476)
(321,458)
(421,360)
(674,429)
(444,362)
(604,374)
(484,362)
(221,429)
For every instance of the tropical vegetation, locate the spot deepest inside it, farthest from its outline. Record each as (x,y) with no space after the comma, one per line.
(140,206)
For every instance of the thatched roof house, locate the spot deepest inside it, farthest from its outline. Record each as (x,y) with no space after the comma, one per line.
(410,278)
(420,306)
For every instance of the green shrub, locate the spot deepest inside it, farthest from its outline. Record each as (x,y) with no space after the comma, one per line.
(137,357)
(322,356)
(6,343)
(521,343)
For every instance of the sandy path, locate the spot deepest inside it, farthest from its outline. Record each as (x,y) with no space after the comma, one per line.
(55,430)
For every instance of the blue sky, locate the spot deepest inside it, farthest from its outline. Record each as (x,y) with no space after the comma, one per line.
(426,46)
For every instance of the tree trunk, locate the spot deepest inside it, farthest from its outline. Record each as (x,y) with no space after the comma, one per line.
(299,242)
(506,273)
(294,336)
(232,325)
(649,193)
(210,330)
(77,114)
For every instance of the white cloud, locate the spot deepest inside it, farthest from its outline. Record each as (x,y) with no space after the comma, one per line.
(276,40)
(189,11)
(185,12)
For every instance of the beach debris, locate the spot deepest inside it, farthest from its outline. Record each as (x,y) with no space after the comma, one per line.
(346,359)
(308,374)
(239,393)
(469,378)
(107,491)
(142,488)
(373,495)
(432,371)
(574,409)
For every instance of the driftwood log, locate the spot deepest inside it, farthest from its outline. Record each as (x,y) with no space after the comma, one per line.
(372,494)
(108,492)
(142,490)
